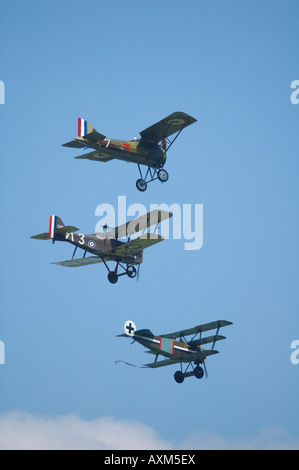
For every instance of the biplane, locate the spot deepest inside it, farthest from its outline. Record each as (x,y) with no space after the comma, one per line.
(177,349)
(107,246)
(150,150)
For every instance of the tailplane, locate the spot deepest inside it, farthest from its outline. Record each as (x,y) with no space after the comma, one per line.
(56,226)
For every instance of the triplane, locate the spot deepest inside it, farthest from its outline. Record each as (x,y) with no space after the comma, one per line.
(177,349)
(106,246)
(150,150)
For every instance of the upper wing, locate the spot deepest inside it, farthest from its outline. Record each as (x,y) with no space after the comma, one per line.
(140,223)
(198,329)
(173,123)
(74,263)
(198,356)
(137,245)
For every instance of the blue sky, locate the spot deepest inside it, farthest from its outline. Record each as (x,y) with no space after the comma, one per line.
(123,66)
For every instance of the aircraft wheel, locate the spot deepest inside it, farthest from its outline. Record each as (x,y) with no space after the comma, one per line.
(112,277)
(198,372)
(141,185)
(163,176)
(131,271)
(179,377)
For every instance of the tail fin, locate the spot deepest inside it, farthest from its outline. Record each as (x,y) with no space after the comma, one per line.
(84,127)
(54,223)
(57,226)
(87,131)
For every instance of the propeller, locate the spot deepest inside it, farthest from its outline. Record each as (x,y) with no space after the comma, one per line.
(164,145)
(205,368)
(138,269)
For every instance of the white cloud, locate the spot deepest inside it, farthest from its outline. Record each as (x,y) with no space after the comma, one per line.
(29,431)
(26,431)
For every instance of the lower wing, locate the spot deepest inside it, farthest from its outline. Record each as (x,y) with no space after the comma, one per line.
(198,356)
(74,263)
(96,156)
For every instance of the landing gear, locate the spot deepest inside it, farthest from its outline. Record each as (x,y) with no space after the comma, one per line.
(151,175)
(197,372)
(128,270)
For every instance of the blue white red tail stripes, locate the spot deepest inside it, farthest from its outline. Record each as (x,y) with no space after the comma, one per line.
(82,127)
(52,225)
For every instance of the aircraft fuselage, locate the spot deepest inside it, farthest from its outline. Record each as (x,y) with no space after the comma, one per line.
(136,151)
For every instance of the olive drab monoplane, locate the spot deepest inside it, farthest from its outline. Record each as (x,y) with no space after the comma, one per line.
(115,244)
(177,349)
(149,151)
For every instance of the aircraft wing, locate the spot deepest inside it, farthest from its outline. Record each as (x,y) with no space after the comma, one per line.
(140,223)
(137,245)
(198,329)
(97,156)
(198,356)
(173,123)
(74,263)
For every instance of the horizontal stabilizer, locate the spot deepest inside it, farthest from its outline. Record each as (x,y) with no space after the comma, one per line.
(42,236)
(145,332)
(66,229)
(74,144)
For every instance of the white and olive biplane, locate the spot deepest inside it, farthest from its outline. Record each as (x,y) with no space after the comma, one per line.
(107,246)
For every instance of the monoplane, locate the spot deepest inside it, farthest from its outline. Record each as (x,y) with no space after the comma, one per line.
(177,349)
(150,150)
(107,245)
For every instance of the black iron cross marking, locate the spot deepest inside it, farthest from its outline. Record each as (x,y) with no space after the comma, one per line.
(130,328)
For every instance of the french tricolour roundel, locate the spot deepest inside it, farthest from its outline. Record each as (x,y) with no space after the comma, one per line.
(82,127)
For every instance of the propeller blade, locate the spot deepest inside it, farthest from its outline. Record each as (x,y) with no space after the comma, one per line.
(138,269)
(205,368)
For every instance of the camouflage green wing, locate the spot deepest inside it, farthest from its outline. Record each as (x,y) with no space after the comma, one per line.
(198,329)
(135,246)
(198,356)
(173,123)
(96,156)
